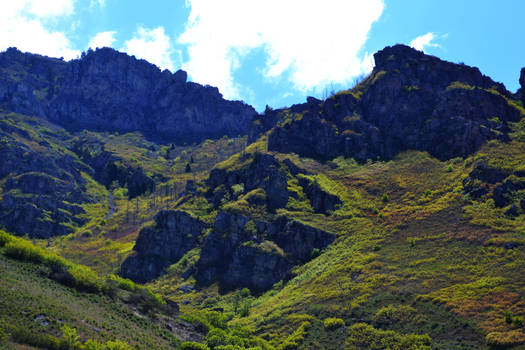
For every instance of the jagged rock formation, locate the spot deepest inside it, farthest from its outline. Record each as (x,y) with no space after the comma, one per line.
(253,253)
(321,201)
(521,91)
(111,91)
(257,171)
(42,187)
(486,181)
(410,101)
(159,246)
(108,168)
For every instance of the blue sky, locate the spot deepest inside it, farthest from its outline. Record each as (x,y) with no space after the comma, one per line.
(273,52)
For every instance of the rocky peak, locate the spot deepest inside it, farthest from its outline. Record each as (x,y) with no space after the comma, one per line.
(106,90)
(410,101)
(418,68)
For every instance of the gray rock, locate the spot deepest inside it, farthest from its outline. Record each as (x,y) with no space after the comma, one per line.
(238,254)
(111,91)
(159,246)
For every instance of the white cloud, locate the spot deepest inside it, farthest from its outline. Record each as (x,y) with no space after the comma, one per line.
(24,24)
(152,45)
(102,39)
(316,42)
(424,41)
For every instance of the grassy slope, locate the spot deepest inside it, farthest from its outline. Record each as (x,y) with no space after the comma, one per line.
(425,255)
(421,247)
(36,304)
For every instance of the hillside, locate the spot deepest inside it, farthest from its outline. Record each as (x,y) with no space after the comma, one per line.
(388,216)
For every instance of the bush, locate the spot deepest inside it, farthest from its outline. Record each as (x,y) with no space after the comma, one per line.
(25,336)
(245,292)
(245,308)
(189,345)
(508,317)
(5,238)
(394,314)
(24,250)
(117,345)
(505,339)
(385,198)
(364,336)
(332,323)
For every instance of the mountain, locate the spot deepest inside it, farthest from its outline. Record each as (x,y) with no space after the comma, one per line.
(107,90)
(409,101)
(387,216)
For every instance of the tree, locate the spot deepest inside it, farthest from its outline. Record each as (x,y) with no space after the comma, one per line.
(188,168)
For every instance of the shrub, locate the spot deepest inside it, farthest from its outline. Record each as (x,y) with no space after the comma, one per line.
(517,322)
(364,336)
(117,345)
(5,238)
(69,337)
(25,336)
(508,317)
(394,313)
(332,323)
(189,345)
(24,250)
(505,339)
(385,198)
(245,292)
(245,308)
(216,337)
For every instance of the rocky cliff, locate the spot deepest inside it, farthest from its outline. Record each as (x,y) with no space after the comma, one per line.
(41,187)
(159,246)
(244,252)
(107,90)
(410,101)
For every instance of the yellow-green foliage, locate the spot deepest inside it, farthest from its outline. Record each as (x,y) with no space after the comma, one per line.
(362,336)
(505,339)
(332,323)
(77,276)
(4,238)
(459,85)
(189,345)
(395,313)
(296,338)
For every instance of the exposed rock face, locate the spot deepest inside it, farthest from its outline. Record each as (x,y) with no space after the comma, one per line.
(321,201)
(109,90)
(499,184)
(243,252)
(261,171)
(410,101)
(43,186)
(159,246)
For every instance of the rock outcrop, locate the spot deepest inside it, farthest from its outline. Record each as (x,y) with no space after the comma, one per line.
(257,170)
(159,246)
(42,187)
(321,201)
(107,90)
(521,92)
(410,101)
(244,252)
(502,185)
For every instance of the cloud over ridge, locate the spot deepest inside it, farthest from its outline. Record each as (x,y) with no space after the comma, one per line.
(312,42)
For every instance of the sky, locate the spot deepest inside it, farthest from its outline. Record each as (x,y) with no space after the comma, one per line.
(273,52)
